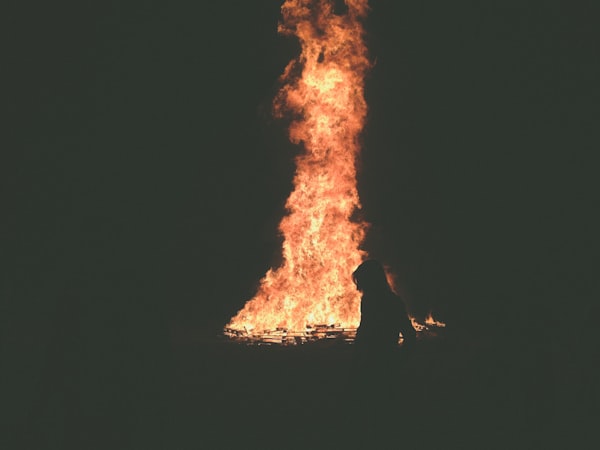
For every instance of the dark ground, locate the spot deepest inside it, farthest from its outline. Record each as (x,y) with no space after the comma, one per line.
(447,392)
(207,392)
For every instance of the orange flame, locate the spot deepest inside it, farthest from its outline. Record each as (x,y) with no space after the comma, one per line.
(429,320)
(430,323)
(324,90)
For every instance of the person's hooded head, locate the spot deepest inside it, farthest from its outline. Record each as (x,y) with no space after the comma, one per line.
(370,277)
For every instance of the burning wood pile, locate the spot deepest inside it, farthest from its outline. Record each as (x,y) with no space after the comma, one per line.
(288,337)
(280,336)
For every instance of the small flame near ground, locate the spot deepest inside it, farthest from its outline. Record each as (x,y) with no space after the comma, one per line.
(323,90)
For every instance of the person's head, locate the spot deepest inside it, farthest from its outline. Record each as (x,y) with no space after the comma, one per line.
(370,276)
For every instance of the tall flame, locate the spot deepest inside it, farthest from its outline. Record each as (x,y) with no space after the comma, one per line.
(324,90)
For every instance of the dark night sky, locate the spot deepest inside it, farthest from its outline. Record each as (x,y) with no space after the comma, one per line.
(143,173)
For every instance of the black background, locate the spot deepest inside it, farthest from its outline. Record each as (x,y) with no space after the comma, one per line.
(143,176)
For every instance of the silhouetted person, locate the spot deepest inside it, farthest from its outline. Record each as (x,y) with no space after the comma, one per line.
(383,315)
(378,380)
